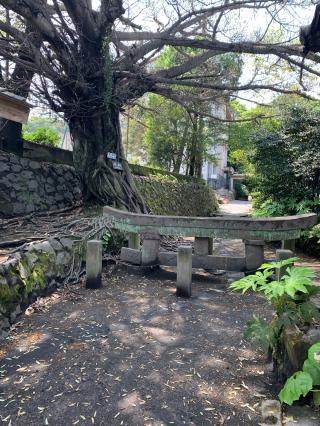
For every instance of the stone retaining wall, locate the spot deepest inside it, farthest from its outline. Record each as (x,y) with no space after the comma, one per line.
(28,186)
(177,198)
(35,271)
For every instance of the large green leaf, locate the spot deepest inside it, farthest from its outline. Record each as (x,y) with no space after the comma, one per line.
(298,384)
(244,284)
(297,279)
(273,290)
(260,333)
(279,264)
(314,354)
(313,370)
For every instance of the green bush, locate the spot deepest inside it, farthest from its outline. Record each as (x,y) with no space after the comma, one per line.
(113,241)
(43,136)
(241,191)
(290,298)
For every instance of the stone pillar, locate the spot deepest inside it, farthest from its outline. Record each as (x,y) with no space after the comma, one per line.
(94,264)
(201,246)
(288,245)
(150,249)
(184,271)
(282,255)
(254,254)
(133,240)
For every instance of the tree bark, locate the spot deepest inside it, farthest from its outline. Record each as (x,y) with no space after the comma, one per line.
(94,136)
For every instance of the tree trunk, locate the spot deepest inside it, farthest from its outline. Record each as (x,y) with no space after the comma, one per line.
(94,136)
(10,136)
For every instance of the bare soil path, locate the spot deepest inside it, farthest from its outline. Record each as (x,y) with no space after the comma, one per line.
(132,353)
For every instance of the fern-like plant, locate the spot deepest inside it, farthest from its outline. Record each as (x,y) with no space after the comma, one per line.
(290,297)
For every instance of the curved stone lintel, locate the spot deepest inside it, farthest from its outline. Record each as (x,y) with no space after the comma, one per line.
(229,227)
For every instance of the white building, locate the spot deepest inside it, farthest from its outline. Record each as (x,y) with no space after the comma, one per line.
(215,173)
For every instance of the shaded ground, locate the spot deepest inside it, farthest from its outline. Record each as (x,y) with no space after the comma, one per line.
(132,353)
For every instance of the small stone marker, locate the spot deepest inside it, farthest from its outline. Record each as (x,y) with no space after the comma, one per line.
(184,271)
(202,246)
(282,255)
(254,254)
(94,264)
(150,249)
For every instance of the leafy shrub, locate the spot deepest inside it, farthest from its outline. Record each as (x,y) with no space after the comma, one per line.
(289,296)
(302,382)
(43,136)
(113,241)
(241,191)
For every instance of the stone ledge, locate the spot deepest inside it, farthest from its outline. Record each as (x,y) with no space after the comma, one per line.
(35,271)
(227,263)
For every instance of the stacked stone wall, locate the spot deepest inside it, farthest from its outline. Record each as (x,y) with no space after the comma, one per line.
(35,271)
(177,198)
(28,186)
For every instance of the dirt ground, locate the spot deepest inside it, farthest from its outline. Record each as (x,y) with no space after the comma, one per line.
(131,353)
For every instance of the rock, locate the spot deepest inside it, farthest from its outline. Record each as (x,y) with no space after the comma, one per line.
(4,167)
(16,168)
(55,244)
(42,247)
(34,165)
(33,185)
(15,313)
(66,243)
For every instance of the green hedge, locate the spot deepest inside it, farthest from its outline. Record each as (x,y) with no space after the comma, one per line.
(176,198)
(138,170)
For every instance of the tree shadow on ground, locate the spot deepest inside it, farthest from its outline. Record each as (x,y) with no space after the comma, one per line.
(132,353)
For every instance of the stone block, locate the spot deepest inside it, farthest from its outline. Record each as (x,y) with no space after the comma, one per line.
(226,263)
(94,264)
(129,255)
(184,271)
(282,255)
(271,413)
(150,249)
(201,246)
(254,250)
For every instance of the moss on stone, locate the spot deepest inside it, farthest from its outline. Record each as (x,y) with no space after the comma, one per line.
(177,198)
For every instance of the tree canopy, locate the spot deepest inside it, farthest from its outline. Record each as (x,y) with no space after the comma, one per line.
(93,59)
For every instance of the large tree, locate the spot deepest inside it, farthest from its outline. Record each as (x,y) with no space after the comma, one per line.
(97,58)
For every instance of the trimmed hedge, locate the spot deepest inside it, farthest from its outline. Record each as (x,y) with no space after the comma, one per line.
(176,198)
(138,170)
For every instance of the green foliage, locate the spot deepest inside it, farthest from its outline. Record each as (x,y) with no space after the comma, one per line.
(302,382)
(174,137)
(112,241)
(241,191)
(290,297)
(260,333)
(43,136)
(298,384)
(176,197)
(162,175)
(35,122)
(287,159)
